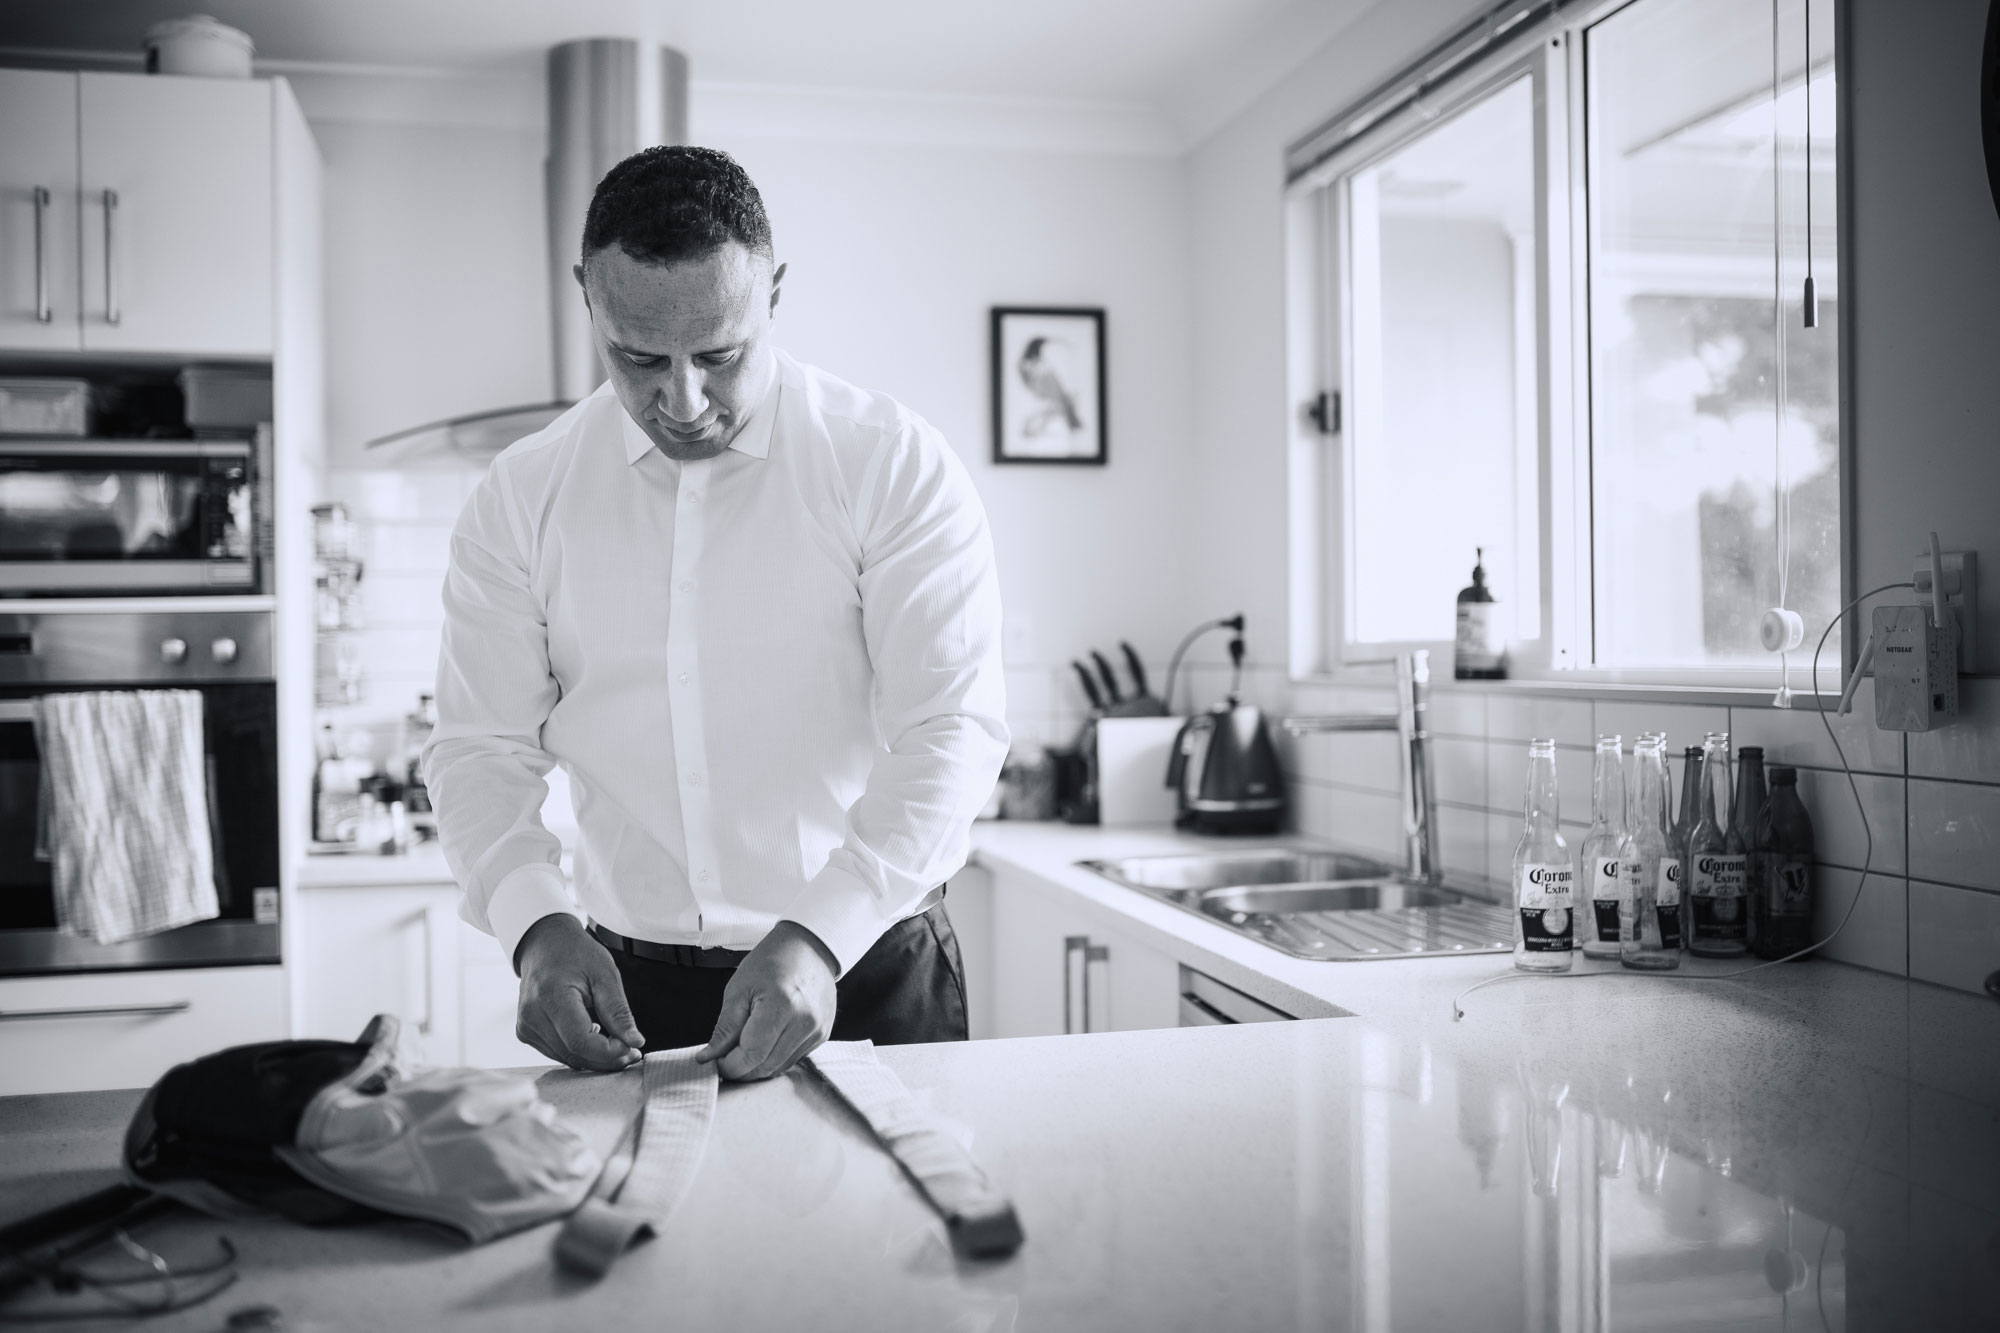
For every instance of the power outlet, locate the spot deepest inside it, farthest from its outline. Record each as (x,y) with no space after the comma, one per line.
(1916,669)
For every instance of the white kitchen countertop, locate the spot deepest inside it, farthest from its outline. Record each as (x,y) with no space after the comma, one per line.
(422,864)
(1324,1174)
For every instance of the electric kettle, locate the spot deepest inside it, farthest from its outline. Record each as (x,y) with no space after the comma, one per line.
(1224,769)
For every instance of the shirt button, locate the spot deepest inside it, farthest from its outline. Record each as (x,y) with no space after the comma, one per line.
(694,497)
(687,585)
(684,677)
(694,779)
(703,877)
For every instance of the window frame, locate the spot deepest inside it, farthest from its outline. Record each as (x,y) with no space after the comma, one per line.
(1319,287)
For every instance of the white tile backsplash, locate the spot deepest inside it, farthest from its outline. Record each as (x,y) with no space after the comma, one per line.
(405,547)
(1459,771)
(1955,833)
(1798,735)
(1838,837)
(1367,759)
(1969,749)
(1366,821)
(1456,713)
(1937,843)
(1685,724)
(1954,935)
(1523,718)
(1877,935)
(1507,780)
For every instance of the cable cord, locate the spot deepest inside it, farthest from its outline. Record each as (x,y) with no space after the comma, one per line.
(1860,885)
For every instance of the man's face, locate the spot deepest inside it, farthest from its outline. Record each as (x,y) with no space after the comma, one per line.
(685,345)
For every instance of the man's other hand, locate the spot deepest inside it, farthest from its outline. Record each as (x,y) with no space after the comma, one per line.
(573,1005)
(778,1007)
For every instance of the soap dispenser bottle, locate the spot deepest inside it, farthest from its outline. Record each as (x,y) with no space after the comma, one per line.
(1478,650)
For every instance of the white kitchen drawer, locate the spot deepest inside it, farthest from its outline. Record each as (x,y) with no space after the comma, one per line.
(168,1016)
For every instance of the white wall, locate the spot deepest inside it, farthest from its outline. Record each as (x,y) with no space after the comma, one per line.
(897,244)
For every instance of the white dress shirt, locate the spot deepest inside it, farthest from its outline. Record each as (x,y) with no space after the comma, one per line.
(772,676)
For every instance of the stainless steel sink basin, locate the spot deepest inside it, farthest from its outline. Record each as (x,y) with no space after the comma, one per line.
(1216,870)
(1318,904)
(1393,895)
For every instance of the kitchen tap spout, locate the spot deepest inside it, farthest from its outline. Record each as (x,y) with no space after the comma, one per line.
(1411,723)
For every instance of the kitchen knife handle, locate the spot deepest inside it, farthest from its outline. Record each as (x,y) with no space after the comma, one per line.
(1089,685)
(1110,677)
(1138,668)
(112,315)
(43,314)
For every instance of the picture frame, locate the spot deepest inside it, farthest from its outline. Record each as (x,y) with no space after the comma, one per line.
(1049,385)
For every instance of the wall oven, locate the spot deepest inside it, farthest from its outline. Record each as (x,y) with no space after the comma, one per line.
(227,656)
(100,518)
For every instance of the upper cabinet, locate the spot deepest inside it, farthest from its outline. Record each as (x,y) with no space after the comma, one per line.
(41,294)
(154,199)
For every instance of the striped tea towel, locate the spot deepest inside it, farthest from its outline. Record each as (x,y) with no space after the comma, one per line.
(125,795)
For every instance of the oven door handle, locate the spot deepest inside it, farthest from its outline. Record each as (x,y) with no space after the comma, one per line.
(101,1011)
(17,710)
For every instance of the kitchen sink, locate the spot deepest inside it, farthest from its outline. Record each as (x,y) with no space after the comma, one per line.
(1277,865)
(1324,905)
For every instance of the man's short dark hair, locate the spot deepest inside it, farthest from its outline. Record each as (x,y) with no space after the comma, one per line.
(669,204)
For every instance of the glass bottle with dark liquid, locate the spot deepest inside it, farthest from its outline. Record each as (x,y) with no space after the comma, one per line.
(1783,907)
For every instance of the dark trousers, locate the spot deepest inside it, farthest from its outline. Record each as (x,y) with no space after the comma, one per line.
(910,987)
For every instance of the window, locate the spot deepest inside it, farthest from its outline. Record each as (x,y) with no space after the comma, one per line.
(1560,295)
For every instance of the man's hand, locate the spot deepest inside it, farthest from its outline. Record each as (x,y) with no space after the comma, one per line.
(778,1007)
(573,1005)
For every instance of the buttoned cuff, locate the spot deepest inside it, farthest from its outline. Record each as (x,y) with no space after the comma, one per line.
(843,911)
(524,896)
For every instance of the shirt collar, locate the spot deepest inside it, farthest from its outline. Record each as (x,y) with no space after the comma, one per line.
(754,439)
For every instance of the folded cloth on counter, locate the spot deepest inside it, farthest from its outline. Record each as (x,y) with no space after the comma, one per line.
(328,1132)
(125,802)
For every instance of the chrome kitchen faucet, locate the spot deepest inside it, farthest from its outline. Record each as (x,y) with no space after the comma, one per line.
(1410,722)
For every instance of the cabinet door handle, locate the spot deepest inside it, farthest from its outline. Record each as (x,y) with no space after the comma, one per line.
(1094,953)
(111,311)
(43,314)
(428,920)
(101,1011)
(1073,947)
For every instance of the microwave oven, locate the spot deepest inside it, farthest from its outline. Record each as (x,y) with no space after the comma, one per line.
(117,518)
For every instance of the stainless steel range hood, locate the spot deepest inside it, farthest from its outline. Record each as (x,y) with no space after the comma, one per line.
(596,120)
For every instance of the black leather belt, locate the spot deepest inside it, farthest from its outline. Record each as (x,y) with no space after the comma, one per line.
(681,955)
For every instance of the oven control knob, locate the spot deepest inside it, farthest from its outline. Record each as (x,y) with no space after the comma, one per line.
(173,651)
(223,650)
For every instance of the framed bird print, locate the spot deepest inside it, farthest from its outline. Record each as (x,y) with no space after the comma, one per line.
(1048,385)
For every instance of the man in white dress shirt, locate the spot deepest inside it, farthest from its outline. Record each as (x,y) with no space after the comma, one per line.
(752,612)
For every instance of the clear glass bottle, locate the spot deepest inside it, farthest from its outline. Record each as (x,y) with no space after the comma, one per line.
(1649,932)
(1544,874)
(1718,925)
(1741,839)
(1784,906)
(1597,879)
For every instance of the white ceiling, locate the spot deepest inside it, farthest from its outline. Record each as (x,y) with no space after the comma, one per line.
(1193,61)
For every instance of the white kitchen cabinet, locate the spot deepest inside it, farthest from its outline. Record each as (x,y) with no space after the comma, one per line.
(175,175)
(41,293)
(1057,969)
(158,228)
(85,1031)
(489,996)
(388,949)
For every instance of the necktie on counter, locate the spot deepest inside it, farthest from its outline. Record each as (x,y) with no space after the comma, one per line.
(650,1170)
(981,1221)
